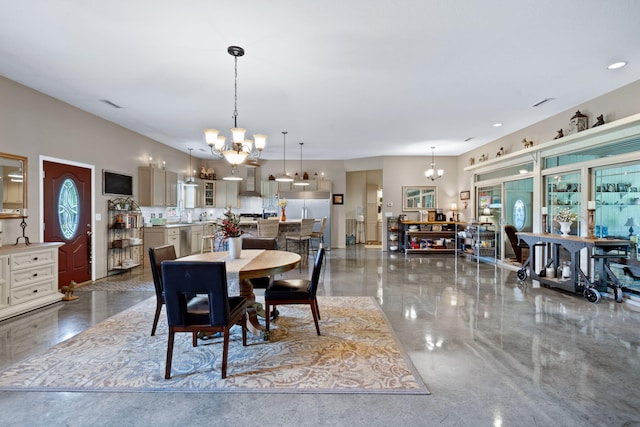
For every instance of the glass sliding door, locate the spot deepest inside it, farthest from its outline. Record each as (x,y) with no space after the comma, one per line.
(518,210)
(489,216)
(563,199)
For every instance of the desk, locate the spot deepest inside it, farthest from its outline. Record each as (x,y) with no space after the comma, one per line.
(252,263)
(578,280)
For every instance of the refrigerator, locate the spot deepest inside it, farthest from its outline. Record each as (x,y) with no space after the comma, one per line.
(310,204)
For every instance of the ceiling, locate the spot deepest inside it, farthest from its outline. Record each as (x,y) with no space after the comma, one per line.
(350,79)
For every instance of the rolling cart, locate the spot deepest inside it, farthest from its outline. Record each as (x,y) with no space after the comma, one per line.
(602,251)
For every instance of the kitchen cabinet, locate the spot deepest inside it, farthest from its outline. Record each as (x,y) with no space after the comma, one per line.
(160,236)
(227,194)
(207,194)
(157,187)
(12,192)
(28,277)
(269,191)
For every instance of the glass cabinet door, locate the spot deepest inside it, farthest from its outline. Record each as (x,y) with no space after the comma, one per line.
(563,199)
(617,198)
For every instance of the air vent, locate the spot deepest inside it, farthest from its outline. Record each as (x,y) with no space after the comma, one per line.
(542,101)
(106,101)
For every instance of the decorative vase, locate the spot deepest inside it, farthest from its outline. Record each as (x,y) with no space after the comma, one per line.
(565,228)
(283,217)
(235,247)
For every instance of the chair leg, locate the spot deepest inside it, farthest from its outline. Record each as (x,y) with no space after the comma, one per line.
(156,318)
(167,371)
(194,339)
(244,329)
(225,350)
(314,312)
(267,316)
(317,308)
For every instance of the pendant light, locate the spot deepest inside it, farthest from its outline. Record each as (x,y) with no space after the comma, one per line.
(235,174)
(239,149)
(431,172)
(299,182)
(284,176)
(190,182)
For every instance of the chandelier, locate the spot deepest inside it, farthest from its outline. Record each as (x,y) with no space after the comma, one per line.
(431,173)
(190,182)
(299,179)
(284,176)
(238,149)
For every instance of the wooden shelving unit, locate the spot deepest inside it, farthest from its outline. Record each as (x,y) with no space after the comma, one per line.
(427,237)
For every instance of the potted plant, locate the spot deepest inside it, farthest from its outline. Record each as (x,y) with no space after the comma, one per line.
(565,218)
(229,229)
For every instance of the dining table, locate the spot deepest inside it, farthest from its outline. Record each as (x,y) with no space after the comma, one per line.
(251,264)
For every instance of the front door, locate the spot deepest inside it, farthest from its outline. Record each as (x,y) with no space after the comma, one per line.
(67,218)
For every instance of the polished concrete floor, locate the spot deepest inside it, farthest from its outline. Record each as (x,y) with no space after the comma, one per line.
(491,351)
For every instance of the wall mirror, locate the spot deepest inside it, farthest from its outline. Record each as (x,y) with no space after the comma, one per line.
(13,174)
(416,197)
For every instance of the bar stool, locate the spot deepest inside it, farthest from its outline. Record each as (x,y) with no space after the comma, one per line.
(301,239)
(212,242)
(318,235)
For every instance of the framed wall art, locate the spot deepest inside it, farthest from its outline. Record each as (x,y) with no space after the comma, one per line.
(338,199)
(465,195)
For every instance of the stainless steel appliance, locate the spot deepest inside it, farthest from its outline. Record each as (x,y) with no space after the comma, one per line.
(310,204)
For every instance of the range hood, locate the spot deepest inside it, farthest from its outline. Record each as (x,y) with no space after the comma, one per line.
(250,190)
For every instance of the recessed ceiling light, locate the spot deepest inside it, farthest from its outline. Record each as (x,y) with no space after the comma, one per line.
(617,65)
(497,125)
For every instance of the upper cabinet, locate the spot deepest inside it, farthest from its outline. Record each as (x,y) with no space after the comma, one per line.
(157,187)
(226,194)
(13,172)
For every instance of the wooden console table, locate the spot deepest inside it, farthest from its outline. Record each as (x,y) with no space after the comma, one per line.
(578,280)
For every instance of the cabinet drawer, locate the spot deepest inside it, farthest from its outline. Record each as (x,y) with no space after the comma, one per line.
(173,232)
(29,259)
(30,275)
(30,292)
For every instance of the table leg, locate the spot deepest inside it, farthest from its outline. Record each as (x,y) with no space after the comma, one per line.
(246,290)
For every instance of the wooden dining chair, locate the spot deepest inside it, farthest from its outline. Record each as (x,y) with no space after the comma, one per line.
(209,312)
(156,256)
(296,291)
(260,243)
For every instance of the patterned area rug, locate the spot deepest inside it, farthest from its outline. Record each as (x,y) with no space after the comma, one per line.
(133,284)
(357,353)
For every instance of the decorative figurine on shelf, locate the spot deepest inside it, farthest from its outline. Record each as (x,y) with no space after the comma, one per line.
(579,121)
(272,178)
(559,135)
(472,161)
(500,152)
(203,172)
(527,144)
(305,176)
(483,158)
(599,121)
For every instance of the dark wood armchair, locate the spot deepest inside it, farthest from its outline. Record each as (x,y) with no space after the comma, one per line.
(296,291)
(156,256)
(210,311)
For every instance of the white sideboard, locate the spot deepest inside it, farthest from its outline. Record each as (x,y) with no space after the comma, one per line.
(28,277)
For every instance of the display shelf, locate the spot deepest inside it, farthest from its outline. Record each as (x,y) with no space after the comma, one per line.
(479,240)
(427,237)
(124,250)
(393,239)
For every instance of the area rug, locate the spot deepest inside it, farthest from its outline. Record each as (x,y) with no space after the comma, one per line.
(356,353)
(133,284)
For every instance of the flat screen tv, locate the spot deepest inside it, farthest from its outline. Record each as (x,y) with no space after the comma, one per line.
(117,183)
